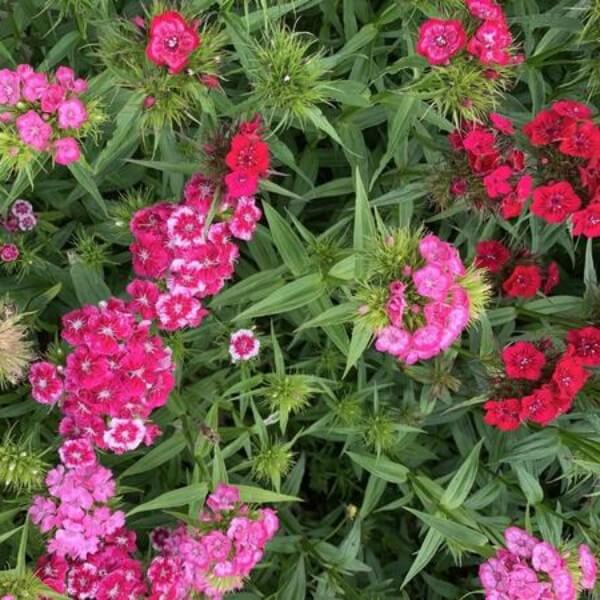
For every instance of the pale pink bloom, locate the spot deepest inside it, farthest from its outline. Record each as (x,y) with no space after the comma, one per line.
(65,77)
(393,340)
(588,566)
(66,151)
(72,114)
(9,87)
(545,558)
(431,282)
(519,542)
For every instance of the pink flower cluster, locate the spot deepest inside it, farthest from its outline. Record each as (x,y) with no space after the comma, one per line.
(529,569)
(428,309)
(189,254)
(491,44)
(216,557)
(46,113)
(116,376)
(497,175)
(89,554)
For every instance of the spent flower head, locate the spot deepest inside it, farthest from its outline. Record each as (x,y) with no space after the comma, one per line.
(16,350)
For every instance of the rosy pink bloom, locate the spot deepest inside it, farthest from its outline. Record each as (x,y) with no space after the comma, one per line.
(10,92)
(496,183)
(589,567)
(225,497)
(431,282)
(33,86)
(519,542)
(66,151)
(34,131)
(77,453)
(245,218)
(243,345)
(177,310)
(248,154)
(502,124)
(72,114)
(186,227)
(46,383)
(491,43)
(393,340)
(545,558)
(51,98)
(144,295)
(9,253)
(241,184)
(439,40)
(171,41)
(487,10)
(65,76)
(426,341)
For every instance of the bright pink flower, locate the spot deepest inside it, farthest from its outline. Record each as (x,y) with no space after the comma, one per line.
(426,341)
(431,282)
(46,383)
(124,435)
(34,131)
(519,542)
(66,151)
(172,40)
(249,155)
(245,218)
(65,76)
(241,184)
(9,253)
(34,86)
(72,114)
(10,92)
(393,340)
(51,98)
(545,557)
(487,10)
(144,295)
(224,498)
(185,227)
(589,567)
(491,43)
(502,124)
(77,453)
(150,260)
(177,311)
(496,183)
(439,40)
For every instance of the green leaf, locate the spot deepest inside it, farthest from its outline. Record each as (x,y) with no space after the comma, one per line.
(88,283)
(195,492)
(290,297)
(433,540)
(460,486)
(361,338)
(84,176)
(342,313)
(364,225)
(381,467)
(159,455)
(254,495)
(453,532)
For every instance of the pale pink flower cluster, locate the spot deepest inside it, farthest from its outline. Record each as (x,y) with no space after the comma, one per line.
(46,112)
(531,569)
(89,553)
(243,345)
(190,256)
(215,558)
(428,309)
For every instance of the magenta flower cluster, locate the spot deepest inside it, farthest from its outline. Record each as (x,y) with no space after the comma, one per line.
(116,376)
(529,569)
(216,557)
(45,112)
(429,293)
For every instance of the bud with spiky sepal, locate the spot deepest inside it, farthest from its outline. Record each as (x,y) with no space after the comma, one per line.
(21,468)
(16,351)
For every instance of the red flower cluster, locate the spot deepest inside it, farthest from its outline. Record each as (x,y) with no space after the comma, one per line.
(116,376)
(568,143)
(538,383)
(518,274)
(441,39)
(171,41)
(494,167)
(192,256)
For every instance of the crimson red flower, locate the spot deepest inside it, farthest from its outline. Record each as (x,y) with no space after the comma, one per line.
(552,277)
(570,108)
(439,40)
(491,255)
(555,202)
(569,376)
(539,406)
(496,183)
(586,222)
(171,41)
(502,124)
(524,282)
(546,127)
(503,414)
(511,206)
(585,344)
(248,155)
(479,141)
(581,139)
(523,360)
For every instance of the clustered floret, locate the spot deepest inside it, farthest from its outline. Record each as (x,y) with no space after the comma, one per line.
(538,383)
(491,43)
(215,557)
(45,113)
(188,250)
(117,374)
(531,568)
(428,308)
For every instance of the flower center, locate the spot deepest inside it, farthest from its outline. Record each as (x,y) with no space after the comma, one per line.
(172,42)
(441,41)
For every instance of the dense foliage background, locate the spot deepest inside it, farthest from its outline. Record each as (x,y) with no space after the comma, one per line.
(387,482)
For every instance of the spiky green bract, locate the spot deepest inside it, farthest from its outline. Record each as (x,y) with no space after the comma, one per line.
(287,76)
(176,98)
(591,16)
(23,586)
(272,461)
(391,252)
(21,468)
(288,394)
(16,350)
(90,250)
(464,90)
(479,290)
(379,432)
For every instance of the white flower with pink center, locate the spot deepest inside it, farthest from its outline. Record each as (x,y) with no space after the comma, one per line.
(124,435)
(243,345)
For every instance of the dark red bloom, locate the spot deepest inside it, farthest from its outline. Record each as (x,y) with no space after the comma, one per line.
(540,406)
(497,182)
(586,222)
(171,41)
(523,360)
(503,414)
(545,128)
(491,255)
(524,282)
(569,376)
(248,155)
(581,139)
(586,345)
(440,39)
(555,202)
(570,108)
